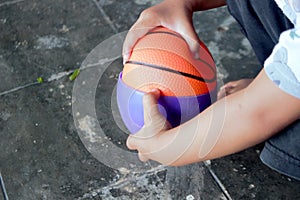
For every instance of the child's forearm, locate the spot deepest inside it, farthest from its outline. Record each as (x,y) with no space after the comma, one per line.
(208,4)
(241,120)
(198,5)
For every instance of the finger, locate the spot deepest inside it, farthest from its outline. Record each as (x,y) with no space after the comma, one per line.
(230,84)
(133,144)
(221,93)
(149,100)
(143,25)
(225,91)
(130,143)
(142,157)
(190,36)
(148,19)
(194,45)
(131,38)
(150,106)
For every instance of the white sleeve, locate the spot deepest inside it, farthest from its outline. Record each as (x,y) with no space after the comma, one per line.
(283,65)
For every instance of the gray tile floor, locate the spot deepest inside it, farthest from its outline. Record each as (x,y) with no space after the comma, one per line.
(43,153)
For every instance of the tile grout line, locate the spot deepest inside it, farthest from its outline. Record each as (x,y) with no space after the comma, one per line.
(106,17)
(60,75)
(2,186)
(18,88)
(53,77)
(217,180)
(10,2)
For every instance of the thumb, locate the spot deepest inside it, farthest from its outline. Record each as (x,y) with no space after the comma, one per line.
(151,111)
(150,106)
(132,37)
(153,119)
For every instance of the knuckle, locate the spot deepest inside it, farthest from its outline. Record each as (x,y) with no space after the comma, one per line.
(130,143)
(147,14)
(147,98)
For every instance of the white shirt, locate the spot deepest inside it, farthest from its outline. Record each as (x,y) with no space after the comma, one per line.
(283,65)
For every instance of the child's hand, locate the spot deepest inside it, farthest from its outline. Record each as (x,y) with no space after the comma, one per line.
(233,87)
(147,141)
(172,14)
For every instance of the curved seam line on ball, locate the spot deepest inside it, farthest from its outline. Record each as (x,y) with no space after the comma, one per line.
(179,36)
(172,71)
(163,32)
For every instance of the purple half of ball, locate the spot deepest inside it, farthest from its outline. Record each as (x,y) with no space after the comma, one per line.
(177,110)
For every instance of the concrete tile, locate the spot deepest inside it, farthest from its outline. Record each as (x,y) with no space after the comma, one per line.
(246,177)
(40,38)
(192,181)
(124,13)
(42,155)
(9,2)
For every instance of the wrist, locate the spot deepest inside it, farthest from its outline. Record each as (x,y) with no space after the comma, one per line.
(199,5)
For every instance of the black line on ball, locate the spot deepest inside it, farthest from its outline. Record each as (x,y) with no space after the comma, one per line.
(172,71)
(165,32)
(180,37)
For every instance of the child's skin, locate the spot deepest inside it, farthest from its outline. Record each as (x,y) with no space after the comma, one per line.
(250,115)
(233,86)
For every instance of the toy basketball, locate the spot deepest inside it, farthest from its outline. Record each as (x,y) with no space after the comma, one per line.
(162,59)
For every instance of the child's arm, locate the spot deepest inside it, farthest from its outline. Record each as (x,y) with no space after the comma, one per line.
(232,124)
(173,14)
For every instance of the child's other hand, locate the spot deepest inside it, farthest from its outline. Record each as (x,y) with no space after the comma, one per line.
(172,14)
(147,141)
(233,87)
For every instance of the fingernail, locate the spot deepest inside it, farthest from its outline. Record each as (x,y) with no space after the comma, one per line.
(125,58)
(155,90)
(124,61)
